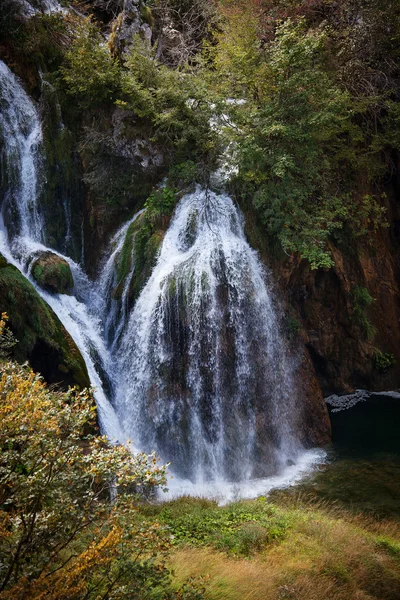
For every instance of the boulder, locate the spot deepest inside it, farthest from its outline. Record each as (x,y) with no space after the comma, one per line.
(43,341)
(52,273)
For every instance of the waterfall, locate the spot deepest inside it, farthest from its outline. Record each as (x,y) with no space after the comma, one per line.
(115,311)
(197,370)
(206,380)
(21,138)
(21,234)
(28,9)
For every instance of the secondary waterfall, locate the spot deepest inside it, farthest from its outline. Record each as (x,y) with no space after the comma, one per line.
(21,137)
(197,370)
(21,234)
(116,312)
(205,377)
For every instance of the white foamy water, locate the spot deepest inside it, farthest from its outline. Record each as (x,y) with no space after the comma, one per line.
(204,375)
(197,370)
(22,139)
(224,492)
(22,133)
(115,311)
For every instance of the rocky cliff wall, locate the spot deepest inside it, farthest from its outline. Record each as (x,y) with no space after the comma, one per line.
(352,342)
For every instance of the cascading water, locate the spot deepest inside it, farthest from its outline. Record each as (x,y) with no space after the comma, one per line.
(20,240)
(21,138)
(116,312)
(206,379)
(198,370)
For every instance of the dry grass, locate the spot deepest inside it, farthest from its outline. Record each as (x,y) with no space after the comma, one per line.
(324,557)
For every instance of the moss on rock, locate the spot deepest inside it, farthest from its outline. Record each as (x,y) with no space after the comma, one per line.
(52,273)
(42,339)
(142,243)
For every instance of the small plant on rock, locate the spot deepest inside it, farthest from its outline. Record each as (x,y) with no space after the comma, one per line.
(383,361)
(362,299)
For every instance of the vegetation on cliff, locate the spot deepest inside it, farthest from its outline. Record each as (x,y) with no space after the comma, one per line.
(74,524)
(316,131)
(305,94)
(311,144)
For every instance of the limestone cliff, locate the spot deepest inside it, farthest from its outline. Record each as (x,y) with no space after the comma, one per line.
(347,343)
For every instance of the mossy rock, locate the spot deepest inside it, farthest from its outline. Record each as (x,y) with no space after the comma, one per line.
(145,259)
(143,244)
(52,273)
(42,339)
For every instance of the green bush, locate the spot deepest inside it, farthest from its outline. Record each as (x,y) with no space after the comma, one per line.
(293,327)
(383,360)
(241,529)
(90,73)
(301,146)
(175,102)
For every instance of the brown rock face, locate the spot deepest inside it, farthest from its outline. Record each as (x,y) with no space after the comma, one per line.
(343,339)
(314,423)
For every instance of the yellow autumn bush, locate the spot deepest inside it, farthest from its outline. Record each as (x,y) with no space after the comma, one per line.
(69,525)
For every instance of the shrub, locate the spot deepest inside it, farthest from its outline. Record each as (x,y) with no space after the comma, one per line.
(91,74)
(175,102)
(293,327)
(300,143)
(383,360)
(7,339)
(69,526)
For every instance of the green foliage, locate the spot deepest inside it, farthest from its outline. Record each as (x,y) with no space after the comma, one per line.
(185,173)
(173,101)
(7,338)
(236,55)
(147,15)
(383,361)
(300,141)
(292,132)
(152,225)
(69,526)
(158,210)
(160,205)
(143,240)
(361,301)
(361,296)
(90,73)
(240,529)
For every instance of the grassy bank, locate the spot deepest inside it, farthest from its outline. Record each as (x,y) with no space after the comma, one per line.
(292,549)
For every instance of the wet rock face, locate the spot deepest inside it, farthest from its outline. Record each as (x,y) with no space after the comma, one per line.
(132,144)
(52,273)
(42,339)
(342,352)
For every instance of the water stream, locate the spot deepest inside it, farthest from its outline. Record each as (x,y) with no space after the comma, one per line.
(21,229)
(198,369)
(205,380)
